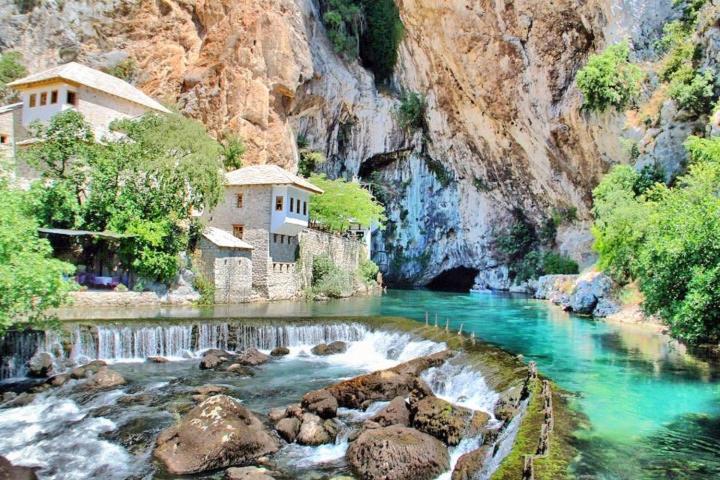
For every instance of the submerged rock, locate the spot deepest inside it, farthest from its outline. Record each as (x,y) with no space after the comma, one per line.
(41,365)
(238,369)
(320,402)
(470,464)
(210,389)
(396,413)
(279,351)
(397,453)
(157,359)
(252,357)
(248,473)
(8,471)
(105,378)
(218,433)
(315,431)
(329,348)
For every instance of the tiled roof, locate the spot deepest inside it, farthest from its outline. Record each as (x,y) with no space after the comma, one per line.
(267,175)
(221,238)
(77,73)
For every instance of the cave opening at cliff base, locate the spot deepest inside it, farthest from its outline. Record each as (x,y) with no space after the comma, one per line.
(458,279)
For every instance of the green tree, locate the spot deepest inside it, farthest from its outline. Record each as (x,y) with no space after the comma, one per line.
(692,90)
(344,203)
(410,112)
(31,281)
(11,68)
(381,38)
(609,79)
(233,149)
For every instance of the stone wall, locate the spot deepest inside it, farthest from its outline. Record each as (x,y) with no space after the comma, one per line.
(346,253)
(283,281)
(229,270)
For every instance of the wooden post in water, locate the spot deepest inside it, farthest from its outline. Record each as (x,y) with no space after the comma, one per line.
(472,337)
(460,331)
(447,324)
(426,318)
(436,320)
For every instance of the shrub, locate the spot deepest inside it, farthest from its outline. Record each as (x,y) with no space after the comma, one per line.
(518,240)
(368,270)
(233,149)
(205,288)
(11,68)
(609,79)
(343,21)
(441,173)
(693,91)
(648,177)
(342,203)
(310,161)
(125,70)
(336,284)
(556,264)
(381,38)
(411,111)
(322,265)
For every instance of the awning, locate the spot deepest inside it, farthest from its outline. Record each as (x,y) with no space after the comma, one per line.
(85,233)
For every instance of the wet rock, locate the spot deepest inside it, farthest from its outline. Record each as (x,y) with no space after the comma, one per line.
(248,473)
(217,352)
(396,413)
(320,402)
(294,410)
(313,431)
(210,361)
(441,419)
(41,365)
(84,371)
(238,369)
(397,453)
(277,414)
(252,357)
(582,299)
(605,307)
(508,403)
(470,464)
(19,400)
(58,380)
(8,471)
(210,390)
(105,378)
(329,348)
(279,351)
(157,360)
(384,385)
(8,396)
(218,433)
(288,428)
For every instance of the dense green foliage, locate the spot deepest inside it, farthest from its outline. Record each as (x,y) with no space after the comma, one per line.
(11,68)
(411,111)
(125,70)
(370,29)
(609,79)
(344,203)
(328,279)
(233,149)
(668,239)
(146,184)
(310,160)
(31,281)
(368,270)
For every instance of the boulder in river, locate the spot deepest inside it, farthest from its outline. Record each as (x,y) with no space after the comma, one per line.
(105,378)
(397,453)
(210,361)
(279,351)
(238,369)
(320,402)
(218,433)
(41,365)
(395,413)
(470,464)
(252,357)
(58,380)
(445,421)
(332,348)
(248,473)
(8,471)
(157,359)
(288,428)
(316,431)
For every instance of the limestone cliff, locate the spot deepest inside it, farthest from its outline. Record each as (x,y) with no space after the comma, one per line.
(504,129)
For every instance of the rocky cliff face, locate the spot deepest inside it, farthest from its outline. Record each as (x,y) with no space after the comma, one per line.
(504,130)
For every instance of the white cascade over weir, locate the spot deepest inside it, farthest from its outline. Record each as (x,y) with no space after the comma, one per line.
(132,342)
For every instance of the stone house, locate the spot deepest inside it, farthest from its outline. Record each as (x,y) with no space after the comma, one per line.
(101,98)
(266,207)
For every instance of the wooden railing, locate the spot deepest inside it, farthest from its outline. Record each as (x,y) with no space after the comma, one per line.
(543,448)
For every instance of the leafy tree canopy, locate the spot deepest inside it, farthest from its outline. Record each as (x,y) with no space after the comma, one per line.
(31,281)
(11,68)
(344,203)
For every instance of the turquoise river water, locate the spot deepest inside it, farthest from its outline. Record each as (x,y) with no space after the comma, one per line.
(654,411)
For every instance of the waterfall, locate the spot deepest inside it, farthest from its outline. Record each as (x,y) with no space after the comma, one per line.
(137,342)
(16,348)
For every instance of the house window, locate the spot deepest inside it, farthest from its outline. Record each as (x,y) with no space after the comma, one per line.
(239,200)
(292,204)
(238,230)
(274,237)
(71,98)
(304,208)
(279,203)
(43,98)
(33,99)
(54,97)
(4,139)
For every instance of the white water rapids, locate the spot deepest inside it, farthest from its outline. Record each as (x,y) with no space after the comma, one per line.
(65,437)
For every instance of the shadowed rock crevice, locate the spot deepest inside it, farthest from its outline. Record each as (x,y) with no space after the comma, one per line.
(458,279)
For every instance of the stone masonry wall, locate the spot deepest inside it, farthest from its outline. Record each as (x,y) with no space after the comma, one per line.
(229,270)
(346,253)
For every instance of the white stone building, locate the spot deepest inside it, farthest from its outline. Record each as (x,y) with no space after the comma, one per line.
(101,98)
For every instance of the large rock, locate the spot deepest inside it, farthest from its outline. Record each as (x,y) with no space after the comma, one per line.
(320,402)
(329,348)
(582,299)
(41,365)
(218,433)
(248,473)
(252,357)
(105,378)
(288,428)
(211,360)
(397,453)
(316,431)
(8,471)
(470,464)
(395,413)
(384,385)
(279,352)
(442,420)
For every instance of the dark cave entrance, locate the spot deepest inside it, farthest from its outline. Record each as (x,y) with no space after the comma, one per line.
(458,279)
